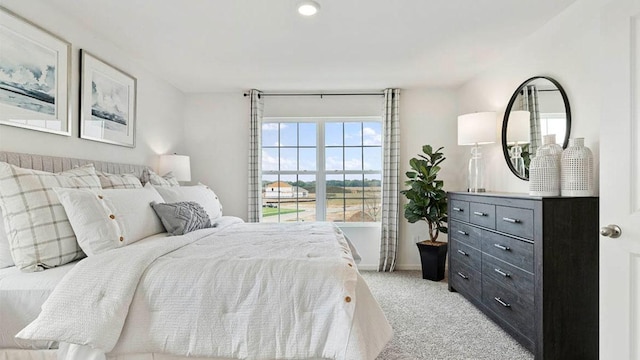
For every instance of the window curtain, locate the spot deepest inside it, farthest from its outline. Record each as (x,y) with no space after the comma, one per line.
(390,186)
(255,158)
(529,102)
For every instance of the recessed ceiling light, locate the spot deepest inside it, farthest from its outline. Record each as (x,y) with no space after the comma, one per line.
(308,8)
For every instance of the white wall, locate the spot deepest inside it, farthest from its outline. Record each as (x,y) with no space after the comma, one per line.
(427,117)
(159,110)
(564,49)
(217,133)
(217,139)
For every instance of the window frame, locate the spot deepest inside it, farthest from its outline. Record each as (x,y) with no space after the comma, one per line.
(321,172)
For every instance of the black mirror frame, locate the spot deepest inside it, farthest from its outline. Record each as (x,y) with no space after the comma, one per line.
(507,112)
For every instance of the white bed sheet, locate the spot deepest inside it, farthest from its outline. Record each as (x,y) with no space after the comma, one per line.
(363,310)
(21,296)
(369,331)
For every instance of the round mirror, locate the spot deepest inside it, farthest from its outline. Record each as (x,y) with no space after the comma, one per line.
(539,107)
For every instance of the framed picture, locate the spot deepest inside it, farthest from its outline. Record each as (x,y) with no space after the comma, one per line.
(107,102)
(34,76)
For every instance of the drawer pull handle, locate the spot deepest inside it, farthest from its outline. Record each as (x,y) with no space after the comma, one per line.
(502,247)
(458,209)
(510,220)
(463,276)
(502,273)
(463,233)
(501,302)
(479,213)
(463,253)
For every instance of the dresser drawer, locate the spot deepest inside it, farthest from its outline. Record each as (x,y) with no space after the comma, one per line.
(515,221)
(459,210)
(513,251)
(464,279)
(510,306)
(465,254)
(482,214)
(510,277)
(465,233)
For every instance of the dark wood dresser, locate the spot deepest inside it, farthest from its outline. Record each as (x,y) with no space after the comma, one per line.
(531,265)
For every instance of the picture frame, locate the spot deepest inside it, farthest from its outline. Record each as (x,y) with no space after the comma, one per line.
(108,99)
(35,76)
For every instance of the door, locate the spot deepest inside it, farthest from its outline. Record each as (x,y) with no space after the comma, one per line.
(620,181)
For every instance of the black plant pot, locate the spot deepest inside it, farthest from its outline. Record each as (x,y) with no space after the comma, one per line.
(433,258)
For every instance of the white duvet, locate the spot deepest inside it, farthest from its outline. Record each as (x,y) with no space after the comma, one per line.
(248,291)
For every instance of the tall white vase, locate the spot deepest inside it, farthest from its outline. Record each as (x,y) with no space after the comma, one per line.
(549,143)
(544,174)
(577,169)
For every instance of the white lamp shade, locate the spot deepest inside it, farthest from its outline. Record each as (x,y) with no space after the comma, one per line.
(518,128)
(179,165)
(477,128)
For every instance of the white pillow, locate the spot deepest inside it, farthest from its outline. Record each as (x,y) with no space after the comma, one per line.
(111,218)
(201,194)
(38,229)
(5,253)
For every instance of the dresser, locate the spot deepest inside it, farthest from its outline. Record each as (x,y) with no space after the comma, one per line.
(531,265)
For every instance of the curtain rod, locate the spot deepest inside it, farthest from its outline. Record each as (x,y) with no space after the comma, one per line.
(320,94)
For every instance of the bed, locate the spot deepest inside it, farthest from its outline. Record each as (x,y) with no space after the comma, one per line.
(229,290)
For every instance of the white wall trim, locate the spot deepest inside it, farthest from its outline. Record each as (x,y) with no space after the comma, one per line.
(373,267)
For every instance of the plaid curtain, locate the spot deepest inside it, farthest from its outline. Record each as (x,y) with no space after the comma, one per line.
(390,186)
(530,103)
(255,158)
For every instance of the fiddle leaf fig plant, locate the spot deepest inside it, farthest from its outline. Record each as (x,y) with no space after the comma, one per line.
(427,199)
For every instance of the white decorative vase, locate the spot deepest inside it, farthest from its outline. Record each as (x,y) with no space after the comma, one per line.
(549,142)
(577,169)
(544,173)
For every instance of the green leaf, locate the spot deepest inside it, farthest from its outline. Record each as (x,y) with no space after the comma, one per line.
(426,197)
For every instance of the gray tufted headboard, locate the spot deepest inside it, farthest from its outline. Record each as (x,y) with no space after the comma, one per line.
(58,164)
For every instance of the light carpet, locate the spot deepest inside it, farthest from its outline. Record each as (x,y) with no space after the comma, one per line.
(429,322)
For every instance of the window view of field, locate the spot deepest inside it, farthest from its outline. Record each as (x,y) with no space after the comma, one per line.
(345,157)
(346,201)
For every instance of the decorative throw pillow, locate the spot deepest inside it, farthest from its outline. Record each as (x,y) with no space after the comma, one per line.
(5,253)
(182,217)
(111,218)
(198,193)
(37,226)
(167,180)
(118,181)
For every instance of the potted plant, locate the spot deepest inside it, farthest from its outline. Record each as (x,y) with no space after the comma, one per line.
(428,202)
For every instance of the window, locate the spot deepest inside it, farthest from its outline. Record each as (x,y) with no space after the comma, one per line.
(321,169)
(554,123)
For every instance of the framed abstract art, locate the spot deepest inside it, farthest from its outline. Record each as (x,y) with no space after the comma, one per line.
(107,102)
(34,76)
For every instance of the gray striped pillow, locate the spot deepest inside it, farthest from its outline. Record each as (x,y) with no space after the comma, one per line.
(39,232)
(118,181)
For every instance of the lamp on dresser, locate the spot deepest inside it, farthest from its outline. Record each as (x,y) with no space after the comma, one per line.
(179,165)
(518,133)
(476,129)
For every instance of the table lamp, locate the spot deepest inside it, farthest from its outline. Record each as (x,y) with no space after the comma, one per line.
(179,165)
(476,129)
(518,132)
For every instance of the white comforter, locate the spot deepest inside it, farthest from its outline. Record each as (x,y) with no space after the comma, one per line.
(250,291)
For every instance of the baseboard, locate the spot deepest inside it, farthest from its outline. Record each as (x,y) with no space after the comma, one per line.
(409,267)
(372,267)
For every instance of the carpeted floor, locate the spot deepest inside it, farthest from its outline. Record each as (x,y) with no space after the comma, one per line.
(429,322)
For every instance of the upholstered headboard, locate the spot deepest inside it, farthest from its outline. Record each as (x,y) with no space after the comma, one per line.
(58,164)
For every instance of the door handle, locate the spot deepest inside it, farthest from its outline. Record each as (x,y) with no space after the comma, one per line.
(612,231)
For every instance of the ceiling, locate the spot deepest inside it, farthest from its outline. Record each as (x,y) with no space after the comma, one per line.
(214,45)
